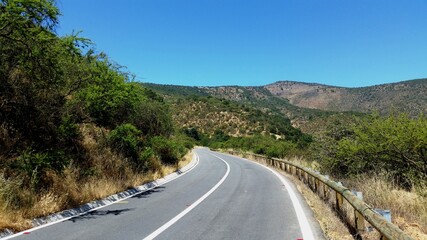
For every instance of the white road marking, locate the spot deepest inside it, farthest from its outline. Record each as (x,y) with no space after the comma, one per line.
(307,233)
(191,207)
(108,204)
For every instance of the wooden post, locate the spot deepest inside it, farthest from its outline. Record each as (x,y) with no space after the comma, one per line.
(338,201)
(325,191)
(359,221)
(316,185)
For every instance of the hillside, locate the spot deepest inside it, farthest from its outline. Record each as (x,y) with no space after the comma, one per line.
(407,96)
(299,100)
(210,114)
(257,97)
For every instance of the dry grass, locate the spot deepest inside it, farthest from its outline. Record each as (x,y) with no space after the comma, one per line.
(409,209)
(186,159)
(109,174)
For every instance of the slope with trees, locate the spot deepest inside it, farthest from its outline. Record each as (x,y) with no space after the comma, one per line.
(73,126)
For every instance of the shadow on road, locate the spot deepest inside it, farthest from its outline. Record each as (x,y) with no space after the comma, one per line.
(146,194)
(99,213)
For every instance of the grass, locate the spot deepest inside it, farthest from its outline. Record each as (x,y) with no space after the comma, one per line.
(110,173)
(408,208)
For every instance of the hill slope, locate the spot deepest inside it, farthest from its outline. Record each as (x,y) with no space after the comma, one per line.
(407,96)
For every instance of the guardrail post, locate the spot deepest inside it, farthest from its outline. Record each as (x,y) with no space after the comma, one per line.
(338,201)
(316,185)
(359,220)
(325,191)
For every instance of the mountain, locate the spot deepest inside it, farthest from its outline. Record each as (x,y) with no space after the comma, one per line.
(309,106)
(407,96)
(297,99)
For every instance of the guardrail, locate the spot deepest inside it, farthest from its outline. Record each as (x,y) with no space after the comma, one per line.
(325,188)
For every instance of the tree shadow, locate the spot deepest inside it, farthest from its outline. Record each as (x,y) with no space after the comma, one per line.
(99,213)
(146,194)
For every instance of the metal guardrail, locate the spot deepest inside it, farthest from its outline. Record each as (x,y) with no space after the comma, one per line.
(323,186)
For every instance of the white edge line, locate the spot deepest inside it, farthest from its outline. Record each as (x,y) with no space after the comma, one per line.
(113,202)
(307,233)
(191,207)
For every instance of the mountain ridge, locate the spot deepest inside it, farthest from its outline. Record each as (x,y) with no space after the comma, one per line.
(405,96)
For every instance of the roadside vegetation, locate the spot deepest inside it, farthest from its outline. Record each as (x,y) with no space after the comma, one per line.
(382,156)
(385,157)
(73,125)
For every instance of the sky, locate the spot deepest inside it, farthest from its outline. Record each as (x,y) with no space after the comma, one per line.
(256,42)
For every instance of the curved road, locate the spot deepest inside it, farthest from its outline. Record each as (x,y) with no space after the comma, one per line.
(223,197)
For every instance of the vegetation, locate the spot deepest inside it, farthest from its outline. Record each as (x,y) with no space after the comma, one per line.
(395,145)
(405,96)
(71,120)
(220,123)
(381,155)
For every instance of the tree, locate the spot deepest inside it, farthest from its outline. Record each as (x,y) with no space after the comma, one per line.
(34,63)
(395,144)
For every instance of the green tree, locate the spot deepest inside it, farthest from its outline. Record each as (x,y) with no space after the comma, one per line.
(395,144)
(34,63)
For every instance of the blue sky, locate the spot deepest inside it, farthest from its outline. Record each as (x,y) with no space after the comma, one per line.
(251,43)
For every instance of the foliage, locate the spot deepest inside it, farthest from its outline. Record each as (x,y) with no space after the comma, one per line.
(52,88)
(167,150)
(126,140)
(152,117)
(192,133)
(32,79)
(34,165)
(395,144)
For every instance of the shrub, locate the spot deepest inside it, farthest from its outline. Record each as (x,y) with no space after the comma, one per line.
(148,161)
(33,165)
(167,150)
(125,140)
(396,144)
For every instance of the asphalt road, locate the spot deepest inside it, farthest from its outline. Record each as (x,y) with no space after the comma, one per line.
(223,197)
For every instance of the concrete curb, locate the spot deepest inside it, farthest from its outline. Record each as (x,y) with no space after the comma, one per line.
(94,205)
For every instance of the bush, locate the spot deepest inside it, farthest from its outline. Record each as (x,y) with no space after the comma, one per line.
(152,118)
(396,144)
(125,140)
(148,161)
(33,166)
(167,150)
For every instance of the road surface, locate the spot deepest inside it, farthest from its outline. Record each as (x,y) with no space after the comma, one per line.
(223,197)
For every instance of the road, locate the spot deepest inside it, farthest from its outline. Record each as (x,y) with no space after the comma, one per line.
(223,197)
